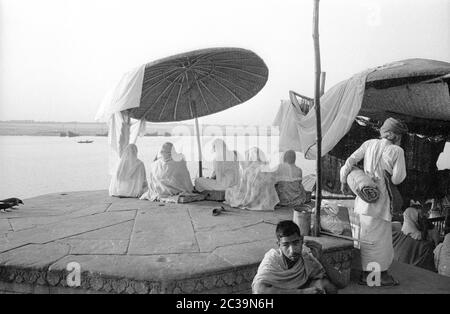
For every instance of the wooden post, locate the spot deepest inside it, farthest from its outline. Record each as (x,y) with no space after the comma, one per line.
(316,230)
(200,170)
(322,83)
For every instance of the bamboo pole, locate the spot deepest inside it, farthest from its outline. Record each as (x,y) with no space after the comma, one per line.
(316,230)
(322,83)
(200,170)
(345,237)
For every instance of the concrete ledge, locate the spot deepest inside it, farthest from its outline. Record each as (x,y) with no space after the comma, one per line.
(133,246)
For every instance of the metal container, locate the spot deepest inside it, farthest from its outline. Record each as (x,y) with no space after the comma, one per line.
(303,220)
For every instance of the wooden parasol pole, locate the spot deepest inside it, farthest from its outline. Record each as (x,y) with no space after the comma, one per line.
(197,130)
(316,230)
(322,83)
(197,133)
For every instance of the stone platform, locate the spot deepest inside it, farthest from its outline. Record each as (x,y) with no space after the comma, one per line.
(132,246)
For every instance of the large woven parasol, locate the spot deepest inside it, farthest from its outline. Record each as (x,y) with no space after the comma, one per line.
(415,90)
(199,83)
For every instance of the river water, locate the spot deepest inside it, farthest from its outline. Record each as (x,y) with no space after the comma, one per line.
(36,165)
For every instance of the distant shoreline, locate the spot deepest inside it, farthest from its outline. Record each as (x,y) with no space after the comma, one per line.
(74,129)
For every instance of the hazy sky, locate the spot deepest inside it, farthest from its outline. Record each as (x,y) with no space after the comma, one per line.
(59,57)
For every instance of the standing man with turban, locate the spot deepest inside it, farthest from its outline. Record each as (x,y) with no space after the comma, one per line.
(380,156)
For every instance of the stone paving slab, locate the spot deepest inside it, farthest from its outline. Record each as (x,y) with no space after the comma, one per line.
(233,218)
(163,231)
(210,240)
(5,226)
(127,245)
(413,280)
(96,247)
(67,228)
(246,253)
(29,222)
(121,231)
(122,204)
(35,256)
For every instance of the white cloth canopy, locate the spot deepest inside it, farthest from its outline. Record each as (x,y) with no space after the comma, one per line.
(339,107)
(124,95)
(122,130)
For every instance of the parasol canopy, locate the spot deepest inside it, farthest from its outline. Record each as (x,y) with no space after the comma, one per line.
(199,83)
(415,90)
(181,87)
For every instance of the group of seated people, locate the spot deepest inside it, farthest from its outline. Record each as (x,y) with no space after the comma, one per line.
(418,242)
(248,184)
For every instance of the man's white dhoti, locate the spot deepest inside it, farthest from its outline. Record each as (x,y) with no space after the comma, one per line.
(378,232)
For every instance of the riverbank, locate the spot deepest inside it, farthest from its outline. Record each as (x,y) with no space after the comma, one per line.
(36,128)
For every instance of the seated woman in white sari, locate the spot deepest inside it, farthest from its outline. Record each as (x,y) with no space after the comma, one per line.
(226,169)
(168,175)
(289,182)
(256,188)
(129,179)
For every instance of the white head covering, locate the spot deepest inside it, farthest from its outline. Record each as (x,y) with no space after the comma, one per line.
(221,152)
(128,163)
(168,153)
(410,223)
(226,166)
(254,156)
(130,178)
(287,170)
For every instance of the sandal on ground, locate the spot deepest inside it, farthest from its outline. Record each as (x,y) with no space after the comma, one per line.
(390,283)
(218,211)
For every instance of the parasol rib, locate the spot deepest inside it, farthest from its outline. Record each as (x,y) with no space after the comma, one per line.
(160,95)
(208,56)
(224,79)
(149,89)
(234,84)
(234,60)
(203,97)
(176,103)
(228,90)
(212,94)
(165,103)
(240,70)
(159,75)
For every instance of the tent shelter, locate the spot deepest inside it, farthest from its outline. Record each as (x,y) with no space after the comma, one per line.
(414,90)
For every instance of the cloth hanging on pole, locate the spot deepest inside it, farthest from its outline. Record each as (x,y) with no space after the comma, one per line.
(124,95)
(339,107)
(122,130)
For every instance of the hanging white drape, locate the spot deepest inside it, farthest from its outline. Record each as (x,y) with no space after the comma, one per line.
(121,129)
(339,108)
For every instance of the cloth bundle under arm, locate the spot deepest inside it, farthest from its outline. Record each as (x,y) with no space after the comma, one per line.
(363,186)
